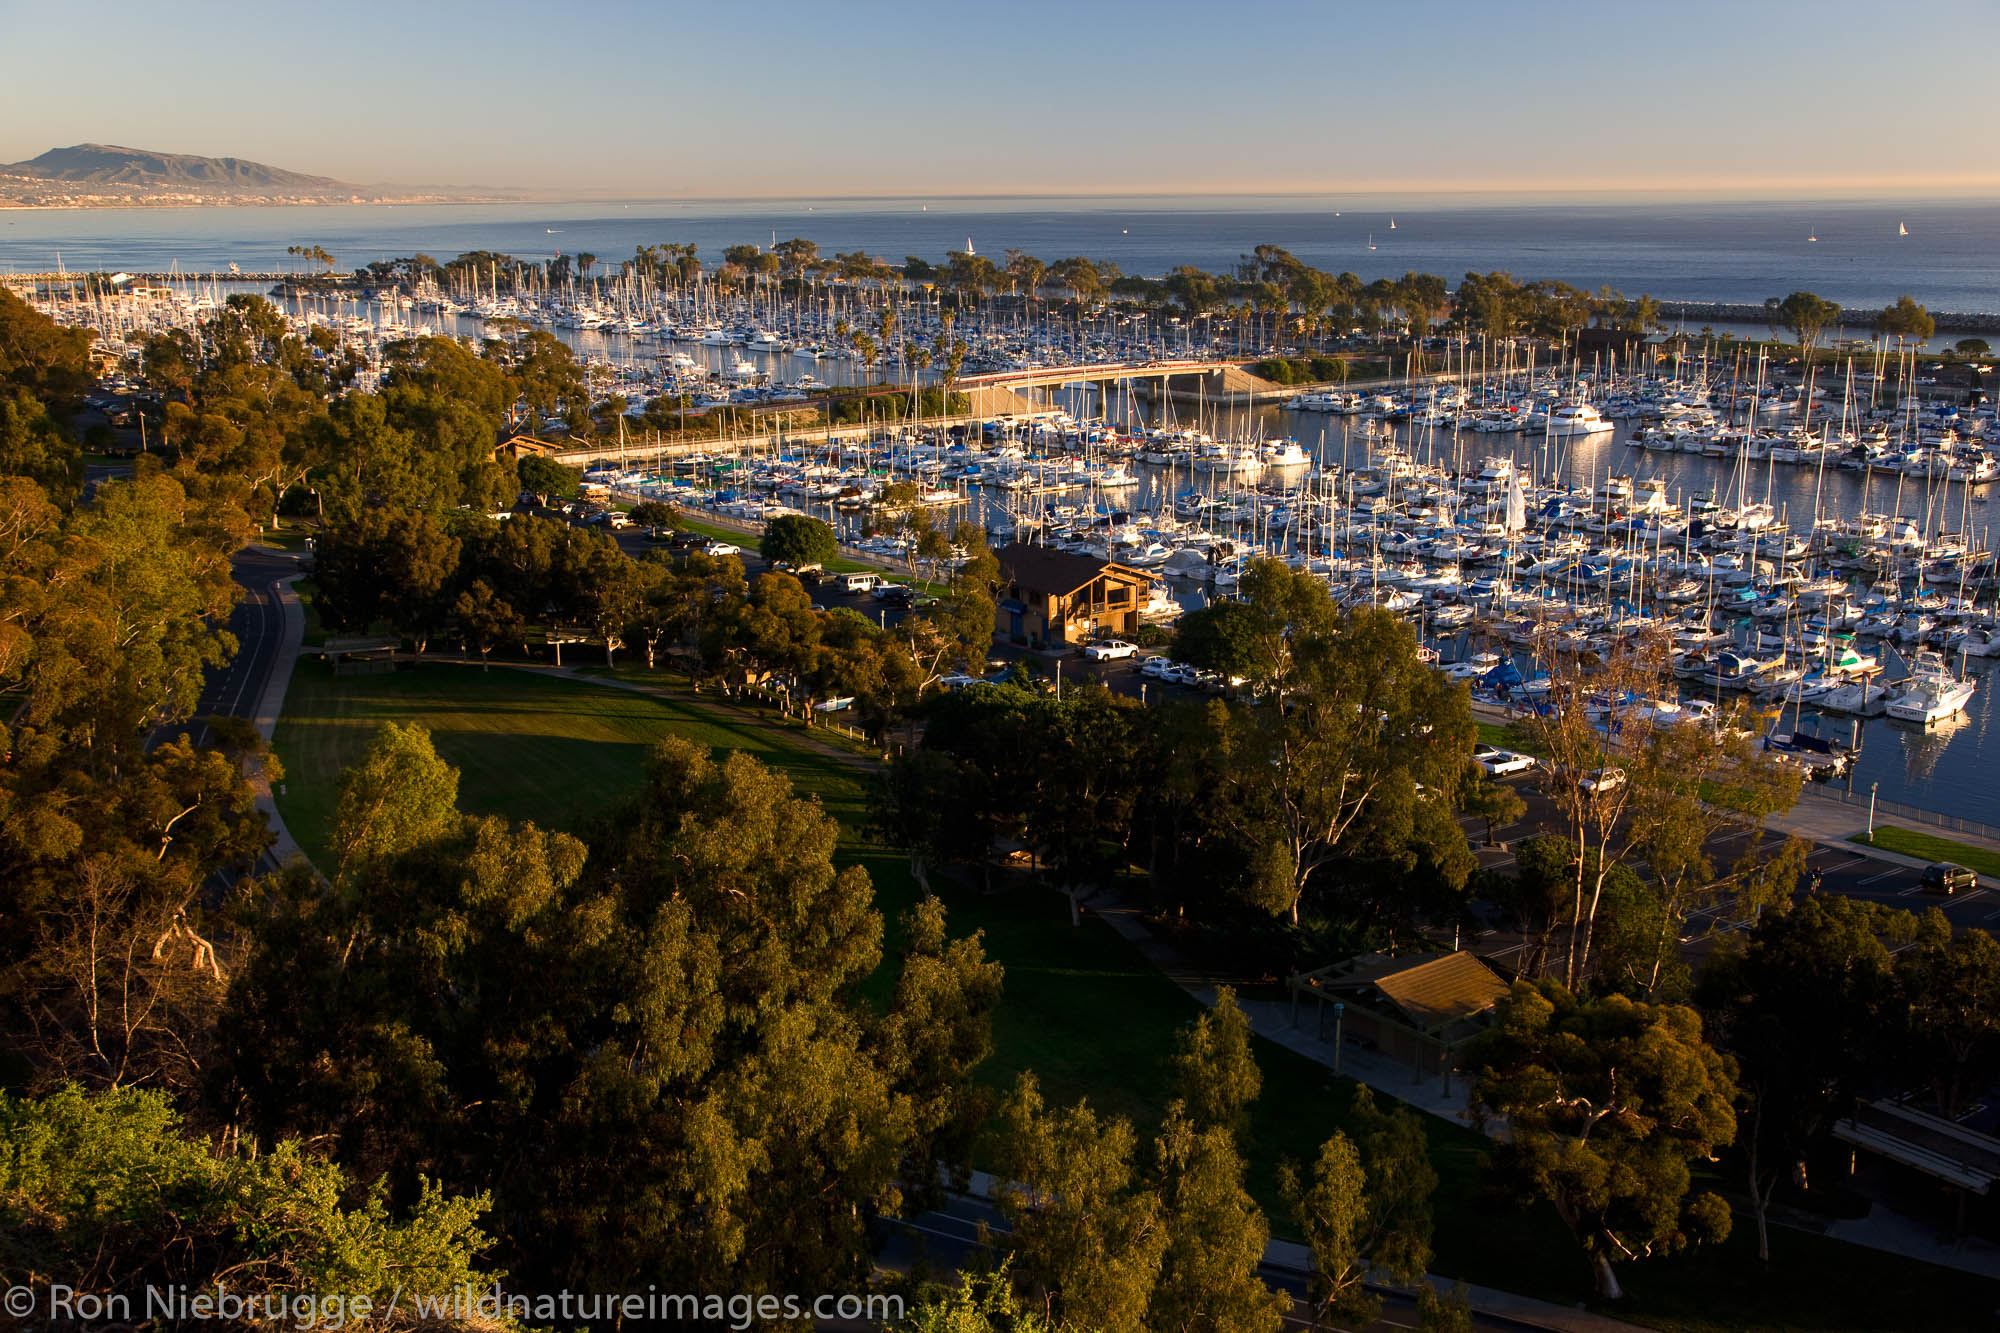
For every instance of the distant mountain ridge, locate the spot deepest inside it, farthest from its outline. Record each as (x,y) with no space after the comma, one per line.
(108,164)
(97,175)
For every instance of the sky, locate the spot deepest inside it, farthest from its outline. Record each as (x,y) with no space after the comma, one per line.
(880,97)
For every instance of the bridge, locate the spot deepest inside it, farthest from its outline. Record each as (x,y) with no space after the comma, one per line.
(1044,377)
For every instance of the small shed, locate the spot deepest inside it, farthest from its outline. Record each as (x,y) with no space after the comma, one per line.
(1416,1009)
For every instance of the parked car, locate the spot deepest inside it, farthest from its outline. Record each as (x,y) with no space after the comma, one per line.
(1159,668)
(892,592)
(618,519)
(1109,650)
(1599,781)
(1496,762)
(722,548)
(1948,877)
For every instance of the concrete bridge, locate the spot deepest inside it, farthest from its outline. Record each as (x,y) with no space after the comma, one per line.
(1045,377)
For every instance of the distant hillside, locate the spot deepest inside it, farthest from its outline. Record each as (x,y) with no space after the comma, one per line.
(104,164)
(93,175)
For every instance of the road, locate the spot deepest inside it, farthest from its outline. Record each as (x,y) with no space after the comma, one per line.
(236,689)
(257,622)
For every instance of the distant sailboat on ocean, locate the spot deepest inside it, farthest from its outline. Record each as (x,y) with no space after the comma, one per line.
(1902,230)
(1371,240)
(1813,234)
(1392,224)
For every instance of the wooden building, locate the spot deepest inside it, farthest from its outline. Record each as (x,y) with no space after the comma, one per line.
(1048,597)
(1419,1010)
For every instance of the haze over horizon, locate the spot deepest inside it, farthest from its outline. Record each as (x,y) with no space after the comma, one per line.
(879,98)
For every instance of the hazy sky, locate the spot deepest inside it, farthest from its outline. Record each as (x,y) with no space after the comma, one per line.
(858,97)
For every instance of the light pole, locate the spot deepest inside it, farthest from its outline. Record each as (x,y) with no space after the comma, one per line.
(1339,1022)
(1871,811)
(1059,684)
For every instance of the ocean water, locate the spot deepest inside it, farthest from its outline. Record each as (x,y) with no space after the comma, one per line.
(1674,249)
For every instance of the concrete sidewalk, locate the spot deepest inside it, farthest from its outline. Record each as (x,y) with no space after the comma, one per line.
(1836,824)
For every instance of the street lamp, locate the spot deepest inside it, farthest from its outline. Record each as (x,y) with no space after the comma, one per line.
(1339,1022)
(1871,811)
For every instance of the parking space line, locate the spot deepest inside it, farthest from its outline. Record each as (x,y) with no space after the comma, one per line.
(1890,873)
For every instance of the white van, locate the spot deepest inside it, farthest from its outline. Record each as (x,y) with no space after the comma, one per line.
(860,582)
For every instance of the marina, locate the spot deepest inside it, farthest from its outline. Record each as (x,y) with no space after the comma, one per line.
(1820,546)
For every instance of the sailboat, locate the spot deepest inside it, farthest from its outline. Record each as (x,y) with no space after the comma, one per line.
(968,246)
(1392,224)
(1813,235)
(1902,230)
(1371,240)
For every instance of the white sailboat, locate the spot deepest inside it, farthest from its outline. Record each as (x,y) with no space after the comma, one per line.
(1371,240)
(1392,224)
(1902,230)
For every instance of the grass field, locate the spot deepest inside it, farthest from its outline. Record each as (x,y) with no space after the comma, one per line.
(1081,1008)
(1930,847)
(527,745)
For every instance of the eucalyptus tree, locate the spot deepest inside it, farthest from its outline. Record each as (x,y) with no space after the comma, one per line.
(1608,1102)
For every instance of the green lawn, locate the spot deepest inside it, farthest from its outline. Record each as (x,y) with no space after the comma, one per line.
(290,538)
(1081,1008)
(528,746)
(1930,847)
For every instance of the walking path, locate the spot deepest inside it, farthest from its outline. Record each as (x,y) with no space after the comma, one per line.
(1834,824)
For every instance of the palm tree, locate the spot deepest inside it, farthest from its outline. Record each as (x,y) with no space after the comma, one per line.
(919,359)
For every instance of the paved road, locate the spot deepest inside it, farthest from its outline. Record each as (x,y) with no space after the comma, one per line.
(236,689)
(257,623)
